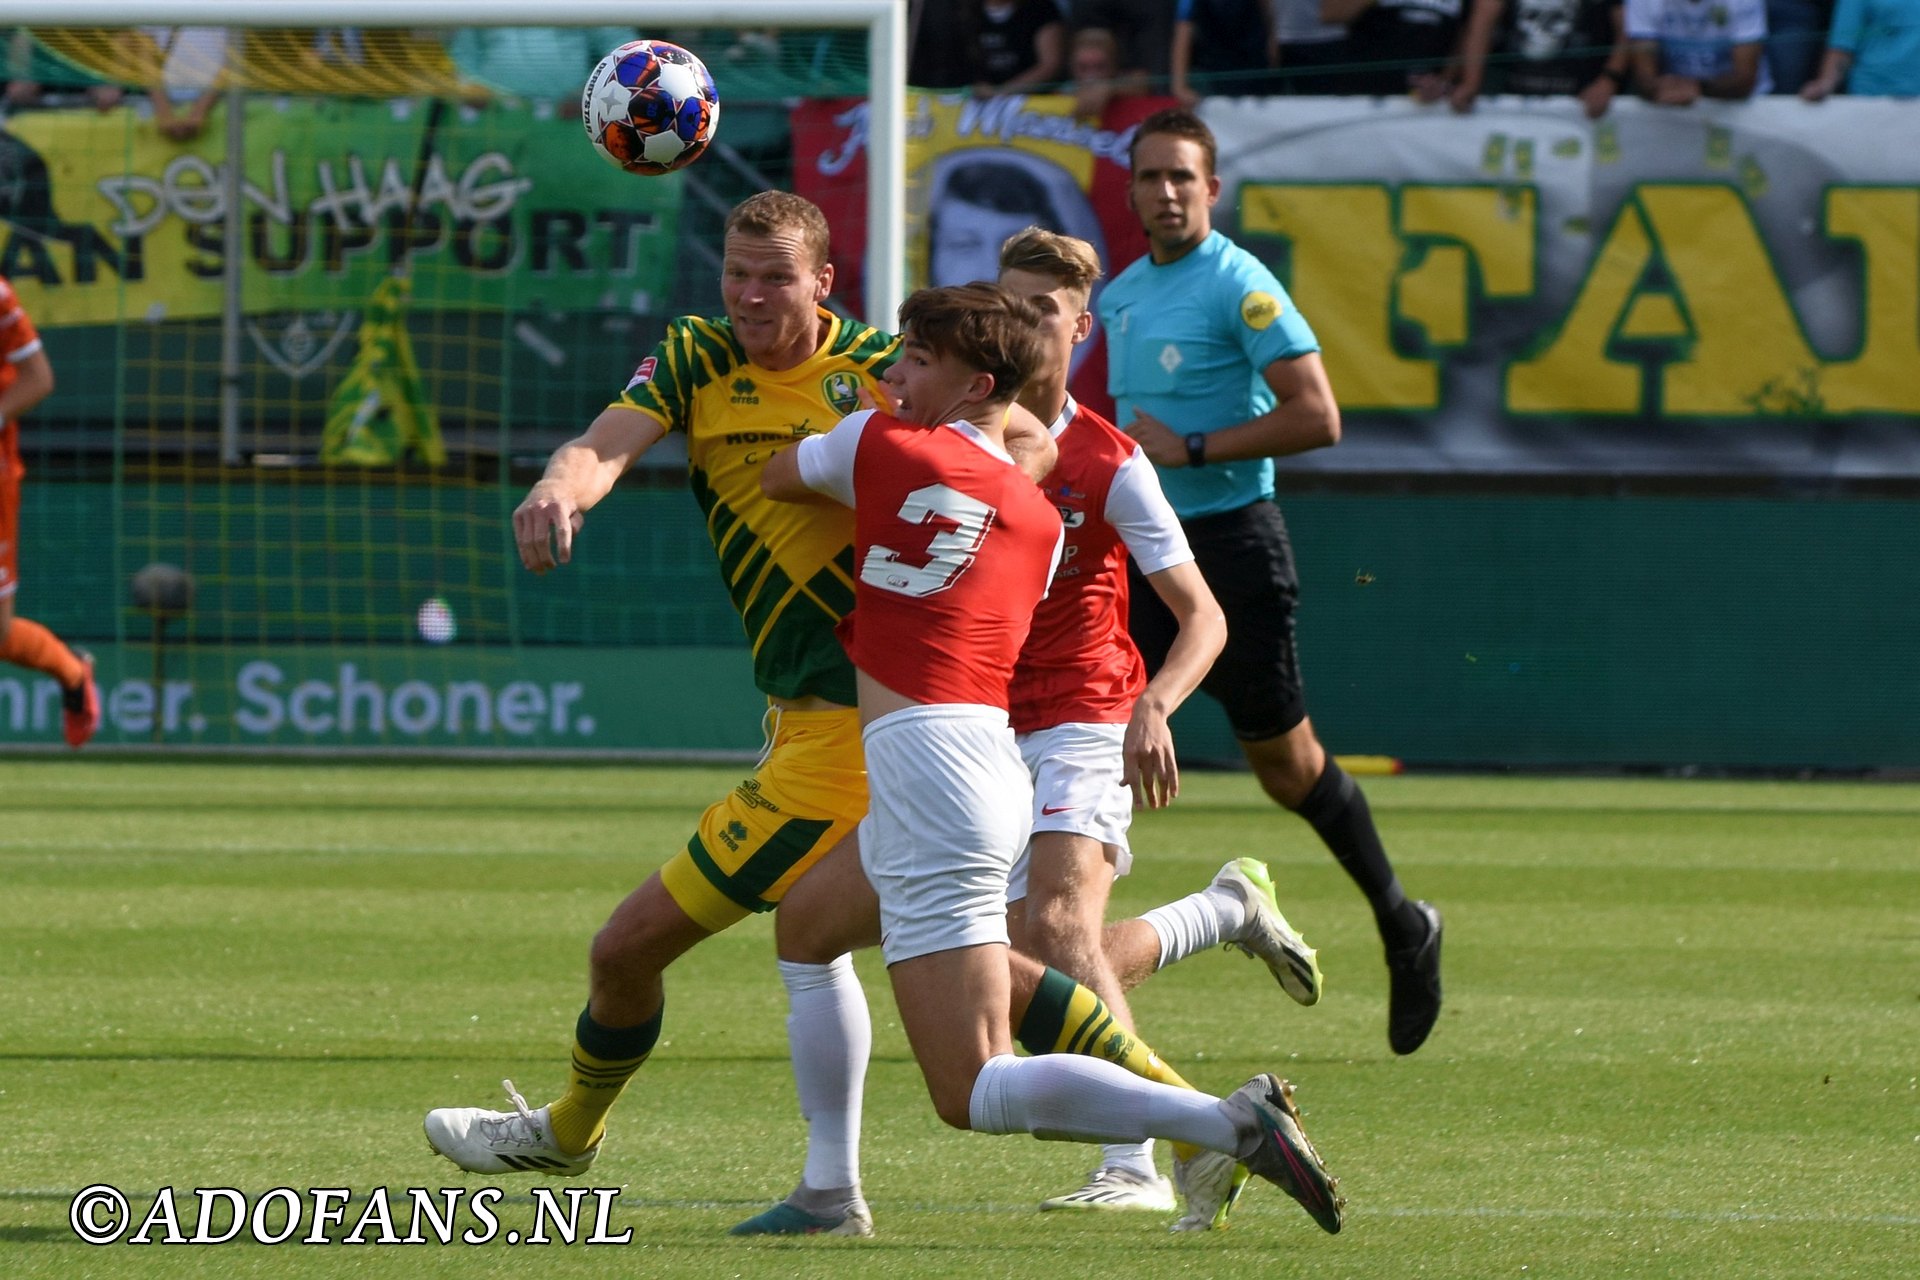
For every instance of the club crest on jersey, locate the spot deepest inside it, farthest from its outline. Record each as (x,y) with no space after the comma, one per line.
(1259,309)
(1070,518)
(643,373)
(842,391)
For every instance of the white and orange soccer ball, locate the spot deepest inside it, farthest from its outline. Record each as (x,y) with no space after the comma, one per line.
(650,107)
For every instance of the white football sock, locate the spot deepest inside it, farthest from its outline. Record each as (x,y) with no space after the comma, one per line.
(1197,922)
(1065,1095)
(829,1035)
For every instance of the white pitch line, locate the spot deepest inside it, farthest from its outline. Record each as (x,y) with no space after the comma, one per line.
(1662,1215)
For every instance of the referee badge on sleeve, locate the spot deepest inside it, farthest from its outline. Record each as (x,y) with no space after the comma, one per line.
(1260,309)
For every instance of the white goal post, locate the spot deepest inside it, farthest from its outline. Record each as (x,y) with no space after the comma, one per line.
(885,22)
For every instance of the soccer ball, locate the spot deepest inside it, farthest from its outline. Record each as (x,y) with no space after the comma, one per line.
(436,621)
(649,107)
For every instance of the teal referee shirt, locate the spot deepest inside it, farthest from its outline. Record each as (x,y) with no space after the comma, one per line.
(1186,343)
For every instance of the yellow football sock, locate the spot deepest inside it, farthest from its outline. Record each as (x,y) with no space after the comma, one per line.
(1067,1017)
(604,1059)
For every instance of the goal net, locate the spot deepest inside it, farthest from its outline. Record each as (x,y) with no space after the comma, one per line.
(322,409)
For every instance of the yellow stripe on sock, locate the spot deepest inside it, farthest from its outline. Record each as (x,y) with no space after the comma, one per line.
(579,1116)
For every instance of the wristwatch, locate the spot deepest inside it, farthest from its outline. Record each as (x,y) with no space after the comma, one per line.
(1196,449)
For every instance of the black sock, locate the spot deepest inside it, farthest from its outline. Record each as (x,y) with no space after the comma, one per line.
(1337,811)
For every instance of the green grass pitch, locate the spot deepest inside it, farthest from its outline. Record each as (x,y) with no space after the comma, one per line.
(1681,1038)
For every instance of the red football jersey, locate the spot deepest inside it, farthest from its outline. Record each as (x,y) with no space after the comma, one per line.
(1079,664)
(953,548)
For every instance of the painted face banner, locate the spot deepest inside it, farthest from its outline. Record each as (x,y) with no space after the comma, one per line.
(978,171)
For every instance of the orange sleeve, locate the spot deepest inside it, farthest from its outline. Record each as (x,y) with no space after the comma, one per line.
(18,338)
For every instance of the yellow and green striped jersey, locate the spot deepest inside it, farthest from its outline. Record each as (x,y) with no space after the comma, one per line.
(788,566)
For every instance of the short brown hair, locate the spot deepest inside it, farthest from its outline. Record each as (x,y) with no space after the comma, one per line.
(1068,259)
(984,326)
(1177,122)
(772,211)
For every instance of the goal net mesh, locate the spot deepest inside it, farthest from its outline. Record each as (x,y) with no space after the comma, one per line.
(325,414)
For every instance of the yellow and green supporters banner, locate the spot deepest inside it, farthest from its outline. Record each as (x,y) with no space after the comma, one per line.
(498,207)
(1725,289)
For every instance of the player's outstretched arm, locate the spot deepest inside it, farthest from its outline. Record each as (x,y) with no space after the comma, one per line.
(1150,768)
(827,472)
(580,473)
(780,478)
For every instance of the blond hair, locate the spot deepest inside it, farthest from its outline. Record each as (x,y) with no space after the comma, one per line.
(774,211)
(1068,259)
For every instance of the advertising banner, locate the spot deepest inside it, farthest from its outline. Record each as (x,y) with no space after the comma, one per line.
(1730,289)
(396,697)
(492,208)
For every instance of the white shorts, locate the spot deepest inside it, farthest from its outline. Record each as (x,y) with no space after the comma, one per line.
(948,812)
(1076,771)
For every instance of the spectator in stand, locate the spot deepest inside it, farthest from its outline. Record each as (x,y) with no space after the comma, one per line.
(1545,48)
(1019,46)
(1873,49)
(1144,29)
(192,74)
(1397,46)
(1796,31)
(25,87)
(1685,50)
(1093,62)
(1222,48)
(1308,48)
(938,56)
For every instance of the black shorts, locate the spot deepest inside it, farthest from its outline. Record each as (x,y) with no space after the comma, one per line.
(1248,562)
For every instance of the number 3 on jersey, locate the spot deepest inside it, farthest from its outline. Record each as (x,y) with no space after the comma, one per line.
(949,551)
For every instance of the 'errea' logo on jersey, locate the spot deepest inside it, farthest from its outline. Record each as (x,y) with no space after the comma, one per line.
(1259,309)
(842,391)
(742,389)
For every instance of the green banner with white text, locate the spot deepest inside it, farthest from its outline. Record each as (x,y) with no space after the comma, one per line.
(501,207)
